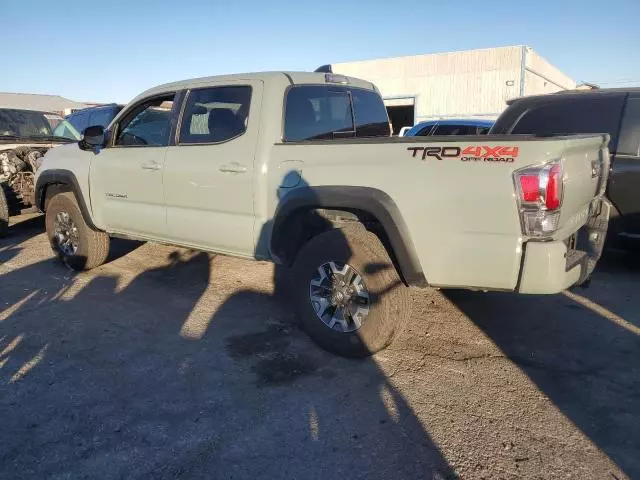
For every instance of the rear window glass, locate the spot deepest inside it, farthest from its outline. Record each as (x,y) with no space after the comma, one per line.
(460,130)
(80,120)
(371,114)
(326,112)
(420,130)
(103,116)
(582,115)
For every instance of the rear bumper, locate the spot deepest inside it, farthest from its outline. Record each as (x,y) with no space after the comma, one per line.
(544,268)
(550,267)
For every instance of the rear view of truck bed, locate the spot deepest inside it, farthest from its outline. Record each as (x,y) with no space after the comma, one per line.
(486,212)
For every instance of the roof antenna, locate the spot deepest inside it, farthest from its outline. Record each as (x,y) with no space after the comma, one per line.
(324,69)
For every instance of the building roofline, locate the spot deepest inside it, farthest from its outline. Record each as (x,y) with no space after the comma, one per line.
(432,53)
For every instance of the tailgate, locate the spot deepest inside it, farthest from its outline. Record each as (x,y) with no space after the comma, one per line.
(570,253)
(585,162)
(582,188)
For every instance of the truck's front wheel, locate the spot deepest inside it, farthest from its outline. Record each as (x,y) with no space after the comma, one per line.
(349,297)
(75,242)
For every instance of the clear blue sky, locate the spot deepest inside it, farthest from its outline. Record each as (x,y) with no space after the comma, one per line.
(112,50)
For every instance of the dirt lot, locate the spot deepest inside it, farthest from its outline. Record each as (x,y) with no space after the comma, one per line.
(166,363)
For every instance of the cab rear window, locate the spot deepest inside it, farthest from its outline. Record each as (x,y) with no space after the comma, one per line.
(318,112)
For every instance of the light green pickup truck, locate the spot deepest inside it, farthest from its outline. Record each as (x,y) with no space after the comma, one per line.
(299,168)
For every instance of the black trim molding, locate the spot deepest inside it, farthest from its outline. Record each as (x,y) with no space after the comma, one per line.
(370,200)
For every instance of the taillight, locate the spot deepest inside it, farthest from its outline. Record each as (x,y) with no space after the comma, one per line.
(540,198)
(529,187)
(553,197)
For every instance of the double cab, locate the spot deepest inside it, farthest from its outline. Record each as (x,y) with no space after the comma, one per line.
(300,169)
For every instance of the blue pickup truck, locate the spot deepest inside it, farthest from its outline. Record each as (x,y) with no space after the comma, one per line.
(100,115)
(450,127)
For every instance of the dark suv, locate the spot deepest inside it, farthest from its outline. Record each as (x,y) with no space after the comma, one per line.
(612,111)
(101,115)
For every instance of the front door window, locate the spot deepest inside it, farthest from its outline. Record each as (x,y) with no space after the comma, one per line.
(148,125)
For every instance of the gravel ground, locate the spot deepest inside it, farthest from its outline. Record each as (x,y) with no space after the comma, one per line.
(166,363)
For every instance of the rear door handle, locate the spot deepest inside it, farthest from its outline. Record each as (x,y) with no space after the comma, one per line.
(232,167)
(151,166)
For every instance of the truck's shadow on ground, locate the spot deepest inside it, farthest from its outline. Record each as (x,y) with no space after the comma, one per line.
(114,377)
(19,232)
(585,360)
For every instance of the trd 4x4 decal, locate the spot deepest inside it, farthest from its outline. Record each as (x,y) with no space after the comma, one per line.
(486,153)
(436,152)
(483,153)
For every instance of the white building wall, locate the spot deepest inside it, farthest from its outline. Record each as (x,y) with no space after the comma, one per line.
(474,83)
(542,77)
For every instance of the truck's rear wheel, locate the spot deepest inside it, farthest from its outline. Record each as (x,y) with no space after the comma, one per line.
(349,297)
(4,214)
(77,244)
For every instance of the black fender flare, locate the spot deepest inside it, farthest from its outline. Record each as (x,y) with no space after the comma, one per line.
(62,177)
(371,200)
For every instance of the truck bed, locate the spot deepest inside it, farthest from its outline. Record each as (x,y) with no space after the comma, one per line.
(461,210)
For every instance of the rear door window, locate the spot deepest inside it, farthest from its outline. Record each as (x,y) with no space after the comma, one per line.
(579,115)
(325,112)
(216,114)
(314,113)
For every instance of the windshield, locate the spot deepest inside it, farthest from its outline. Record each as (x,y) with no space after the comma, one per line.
(33,125)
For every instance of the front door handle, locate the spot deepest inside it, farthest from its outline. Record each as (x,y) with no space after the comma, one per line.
(233,167)
(151,166)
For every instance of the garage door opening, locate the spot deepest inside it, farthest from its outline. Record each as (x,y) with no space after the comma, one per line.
(400,116)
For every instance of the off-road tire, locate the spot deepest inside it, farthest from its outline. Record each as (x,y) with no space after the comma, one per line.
(389,306)
(4,214)
(93,247)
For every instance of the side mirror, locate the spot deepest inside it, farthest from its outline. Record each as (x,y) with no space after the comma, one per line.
(92,137)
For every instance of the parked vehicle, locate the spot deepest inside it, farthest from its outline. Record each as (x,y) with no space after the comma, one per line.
(450,127)
(299,168)
(403,131)
(102,115)
(612,111)
(25,136)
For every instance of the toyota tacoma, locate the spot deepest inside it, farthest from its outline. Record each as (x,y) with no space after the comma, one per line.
(300,169)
